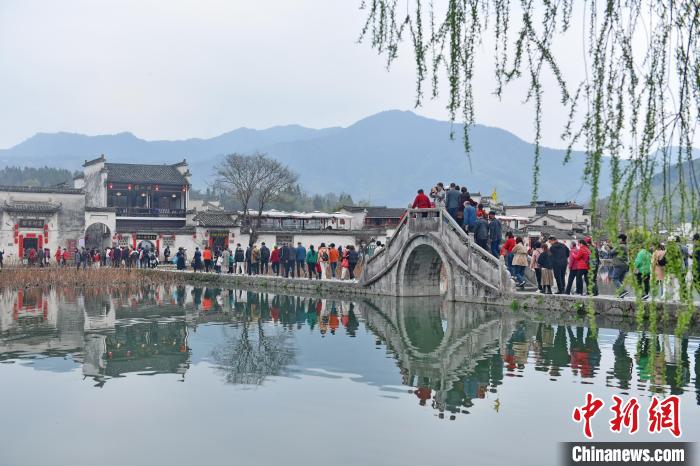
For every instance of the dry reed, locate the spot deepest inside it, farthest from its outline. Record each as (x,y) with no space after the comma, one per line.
(28,277)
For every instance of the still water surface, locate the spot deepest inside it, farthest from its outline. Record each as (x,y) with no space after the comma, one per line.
(183,375)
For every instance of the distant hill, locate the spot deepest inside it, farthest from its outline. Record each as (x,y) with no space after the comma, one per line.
(383,158)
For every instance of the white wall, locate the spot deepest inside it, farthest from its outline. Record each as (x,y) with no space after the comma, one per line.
(528,212)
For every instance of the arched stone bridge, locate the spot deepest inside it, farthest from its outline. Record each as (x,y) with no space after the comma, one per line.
(430,255)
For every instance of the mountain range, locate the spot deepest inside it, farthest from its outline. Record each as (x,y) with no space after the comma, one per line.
(383,158)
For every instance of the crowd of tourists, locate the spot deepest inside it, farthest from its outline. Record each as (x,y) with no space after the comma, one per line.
(286,260)
(83,258)
(553,262)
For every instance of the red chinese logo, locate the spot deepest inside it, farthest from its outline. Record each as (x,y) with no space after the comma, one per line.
(625,416)
(664,415)
(586,412)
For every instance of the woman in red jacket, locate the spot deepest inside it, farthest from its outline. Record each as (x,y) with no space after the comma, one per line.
(580,265)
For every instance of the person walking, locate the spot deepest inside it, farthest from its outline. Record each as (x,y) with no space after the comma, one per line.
(560,257)
(166,254)
(323,260)
(463,200)
(620,258)
(333,258)
(207,256)
(180,261)
(218,262)
(481,233)
(658,262)
(197,260)
(225,256)
(582,258)
(544,260)
(275,260)
(239,259)
(58,257)
(353,259)
(344,266)
(495,232)
(421,201)
(452,201)
(249,260)
(64,257)
(642,267)
(438,195)
(311,261)
(535,266)
(469,217)
(572,271)
(299,255)
(519,262)
(507,251)
(255,259)
(264,259)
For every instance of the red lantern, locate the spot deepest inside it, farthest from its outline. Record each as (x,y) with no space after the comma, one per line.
(128,187)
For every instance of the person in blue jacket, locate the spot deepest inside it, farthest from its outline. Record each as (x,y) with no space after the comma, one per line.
(301,259)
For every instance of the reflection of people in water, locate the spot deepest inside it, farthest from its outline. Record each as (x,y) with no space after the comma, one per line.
(333,320)
(350,321)
(516,348)
(311,316)
(423,394)
(585,353)
(622,367)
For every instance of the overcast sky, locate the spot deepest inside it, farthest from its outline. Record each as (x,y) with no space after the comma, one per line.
(178,69)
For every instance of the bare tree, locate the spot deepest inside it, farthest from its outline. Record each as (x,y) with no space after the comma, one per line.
(251,178)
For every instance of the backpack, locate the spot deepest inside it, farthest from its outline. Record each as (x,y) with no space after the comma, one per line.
(324,256)
(662,261)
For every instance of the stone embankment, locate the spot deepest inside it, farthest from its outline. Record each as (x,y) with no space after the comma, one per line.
(604,305)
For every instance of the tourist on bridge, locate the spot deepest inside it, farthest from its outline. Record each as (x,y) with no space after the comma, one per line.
(506,251)
(452,200)
(300,257)
(311,261)
(642,266)
(421,201)
(275,260)
(469,216)
(438,195)
(520,260)
(560,257)
(495,232)
(264,259)
(620,259)
(197,260)
(463,200)
(481,232)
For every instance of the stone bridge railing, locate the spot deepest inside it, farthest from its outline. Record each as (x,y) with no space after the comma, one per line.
(448,238)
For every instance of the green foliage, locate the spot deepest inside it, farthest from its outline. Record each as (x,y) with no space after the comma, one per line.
(31,176)
(636,103)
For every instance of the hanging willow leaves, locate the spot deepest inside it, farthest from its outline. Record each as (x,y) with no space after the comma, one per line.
(635,111)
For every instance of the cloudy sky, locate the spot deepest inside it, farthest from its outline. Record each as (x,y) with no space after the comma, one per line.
(177,69)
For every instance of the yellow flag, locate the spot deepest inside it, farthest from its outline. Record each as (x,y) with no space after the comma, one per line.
(494,195)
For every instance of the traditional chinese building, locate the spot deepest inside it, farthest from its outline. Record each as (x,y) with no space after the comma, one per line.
(136,205)
(38,218)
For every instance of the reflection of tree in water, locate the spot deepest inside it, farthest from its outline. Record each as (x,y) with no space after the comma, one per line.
(255,353)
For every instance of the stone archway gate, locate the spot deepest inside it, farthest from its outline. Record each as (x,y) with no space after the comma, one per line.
(427,243)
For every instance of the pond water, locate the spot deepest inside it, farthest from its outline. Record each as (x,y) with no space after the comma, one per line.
(180,375)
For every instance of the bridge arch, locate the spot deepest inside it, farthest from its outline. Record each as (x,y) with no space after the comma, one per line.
(424,269)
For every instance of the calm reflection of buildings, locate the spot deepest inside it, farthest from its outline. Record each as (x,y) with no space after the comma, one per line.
(449,354)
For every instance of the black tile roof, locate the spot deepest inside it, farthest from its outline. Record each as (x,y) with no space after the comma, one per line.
(140,173)
(215,219)
(384,212)
(30,206)
(41,189)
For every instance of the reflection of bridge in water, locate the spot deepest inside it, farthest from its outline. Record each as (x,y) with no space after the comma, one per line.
(442,346)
